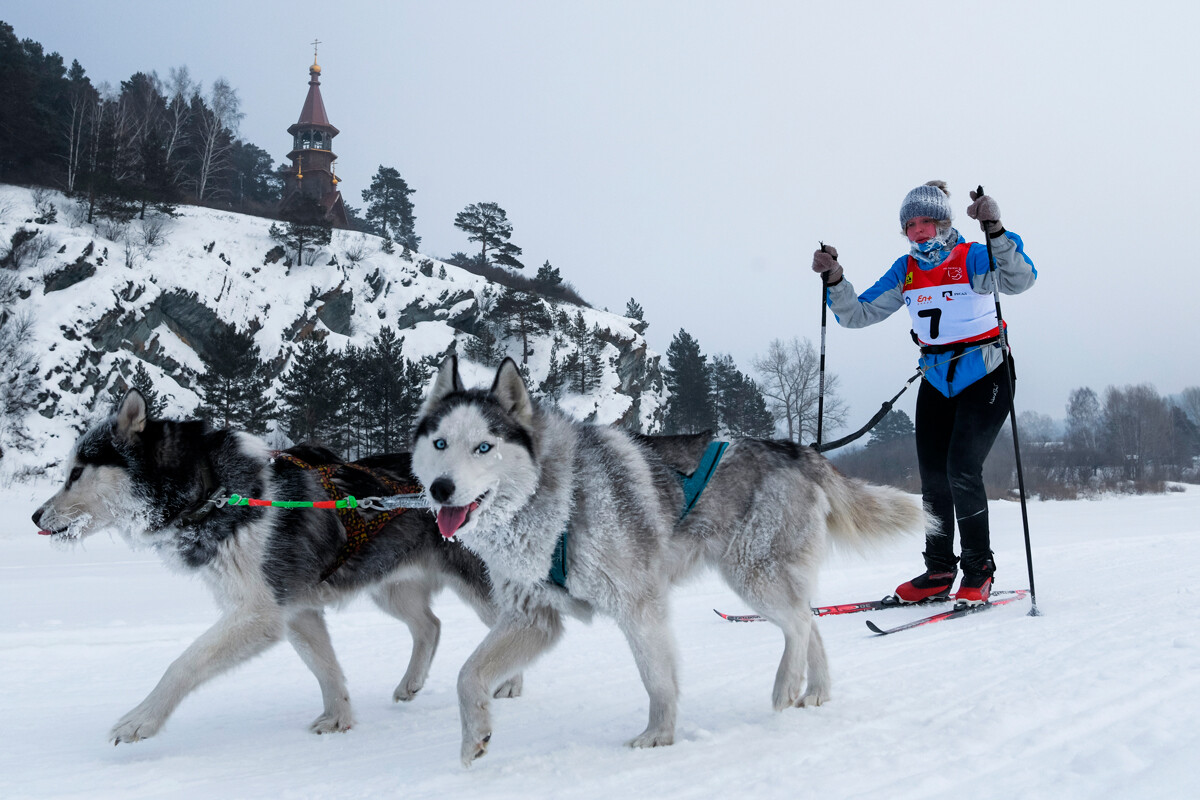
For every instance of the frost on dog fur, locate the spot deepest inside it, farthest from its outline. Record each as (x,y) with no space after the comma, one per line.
(509,479)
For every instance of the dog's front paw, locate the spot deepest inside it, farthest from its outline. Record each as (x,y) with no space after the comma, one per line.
(510,688)
(786,695)
(406,691)
(133,727)
(653,738)
(474,747)
(815,696)
(339,722)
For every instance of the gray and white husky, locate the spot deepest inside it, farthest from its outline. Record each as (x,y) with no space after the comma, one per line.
(152,481)
(509,478)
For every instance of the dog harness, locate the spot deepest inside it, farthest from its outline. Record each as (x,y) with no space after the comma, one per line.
(359,531)
(693,486)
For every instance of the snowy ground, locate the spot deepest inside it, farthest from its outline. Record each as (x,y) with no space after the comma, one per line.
(1097,698)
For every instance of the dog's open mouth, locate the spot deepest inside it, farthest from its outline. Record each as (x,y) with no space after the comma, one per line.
(451,518)
(74,529)
(65,534)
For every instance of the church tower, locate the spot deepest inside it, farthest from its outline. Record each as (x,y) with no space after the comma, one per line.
(312,172)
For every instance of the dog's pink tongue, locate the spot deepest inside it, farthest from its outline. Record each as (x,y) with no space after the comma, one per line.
(45,533)
(450,519)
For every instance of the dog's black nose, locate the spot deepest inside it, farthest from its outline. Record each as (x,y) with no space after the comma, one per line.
(441,489)
(37,518)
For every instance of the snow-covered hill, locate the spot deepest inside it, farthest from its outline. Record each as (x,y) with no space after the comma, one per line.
(105,296)
(1096,698)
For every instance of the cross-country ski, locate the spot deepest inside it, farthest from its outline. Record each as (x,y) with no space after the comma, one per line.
(854,608)
(954,613)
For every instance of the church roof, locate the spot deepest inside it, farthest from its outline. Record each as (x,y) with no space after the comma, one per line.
(313,114)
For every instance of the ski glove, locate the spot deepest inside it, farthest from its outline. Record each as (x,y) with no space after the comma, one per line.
(826,265)
(987,211)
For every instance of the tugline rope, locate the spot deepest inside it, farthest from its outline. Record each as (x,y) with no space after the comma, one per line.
(359,531)
(822,447)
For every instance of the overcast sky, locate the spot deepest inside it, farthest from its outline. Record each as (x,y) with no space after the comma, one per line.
(692,154)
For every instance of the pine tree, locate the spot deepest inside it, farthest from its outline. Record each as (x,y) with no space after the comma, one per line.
(548,278)
(582,367)
(552,387)
(391,390)
(306,230)
(739,405)
(312,396)
(487,223)
(633,310)
(155,402)
(234,388)
(486,346)
(895,425)
(389,209)
(522,316)
(689,408)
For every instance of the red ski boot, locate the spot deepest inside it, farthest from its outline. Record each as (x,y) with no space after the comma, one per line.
(976,584)
(929,585)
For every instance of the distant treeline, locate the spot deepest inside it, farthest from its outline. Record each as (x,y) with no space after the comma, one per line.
(1132,440)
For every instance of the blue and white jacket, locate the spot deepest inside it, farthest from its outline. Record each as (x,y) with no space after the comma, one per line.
(1014,272)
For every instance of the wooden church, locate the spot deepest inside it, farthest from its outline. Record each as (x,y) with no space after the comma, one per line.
(312,172)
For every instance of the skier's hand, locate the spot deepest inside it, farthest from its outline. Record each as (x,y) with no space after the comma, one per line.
(987,211)
(826,265)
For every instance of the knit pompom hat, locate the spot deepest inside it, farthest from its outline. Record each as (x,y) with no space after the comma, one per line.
(929,200)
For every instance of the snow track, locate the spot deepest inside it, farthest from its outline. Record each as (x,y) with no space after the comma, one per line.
(1095,699)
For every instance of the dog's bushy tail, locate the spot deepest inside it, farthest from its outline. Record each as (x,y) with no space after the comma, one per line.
(862,514)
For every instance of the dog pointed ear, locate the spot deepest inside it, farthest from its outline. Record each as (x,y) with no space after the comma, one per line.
(446,382)
(131,415)
(509,389)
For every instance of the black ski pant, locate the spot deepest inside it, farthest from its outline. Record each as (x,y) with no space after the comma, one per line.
(954,436)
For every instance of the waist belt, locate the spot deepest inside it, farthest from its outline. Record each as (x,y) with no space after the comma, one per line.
(957,348)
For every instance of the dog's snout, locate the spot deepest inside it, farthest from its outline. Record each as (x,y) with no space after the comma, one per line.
(441,489)
(37,517)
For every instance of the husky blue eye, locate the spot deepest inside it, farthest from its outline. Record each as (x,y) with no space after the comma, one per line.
(439,444)
(483,447)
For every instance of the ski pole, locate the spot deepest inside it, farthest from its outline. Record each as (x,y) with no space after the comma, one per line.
(821,380)
(1012,408)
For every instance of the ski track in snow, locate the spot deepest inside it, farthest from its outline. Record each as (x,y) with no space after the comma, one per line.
(1096,698)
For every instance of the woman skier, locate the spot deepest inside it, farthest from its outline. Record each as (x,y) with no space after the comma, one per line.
(964,398)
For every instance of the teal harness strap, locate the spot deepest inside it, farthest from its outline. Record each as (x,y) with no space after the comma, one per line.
(558,562)
(693,486)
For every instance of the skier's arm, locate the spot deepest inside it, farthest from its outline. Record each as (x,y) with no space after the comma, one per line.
(1014,270)
(874,305)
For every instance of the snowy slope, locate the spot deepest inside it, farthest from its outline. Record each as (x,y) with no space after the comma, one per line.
(103,300)
(1096,698)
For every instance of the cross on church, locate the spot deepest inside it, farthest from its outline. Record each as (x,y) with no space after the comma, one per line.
(315,42)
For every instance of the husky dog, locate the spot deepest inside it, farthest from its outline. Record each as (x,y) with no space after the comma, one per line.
(510,479)
(155,482)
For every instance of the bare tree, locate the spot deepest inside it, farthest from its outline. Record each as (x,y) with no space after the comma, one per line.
(80,102)
(790,380)
(216,126)
(1189,401)
(1084,421)
(18,370)
(179,113)
(1035,428)
(1137,423)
